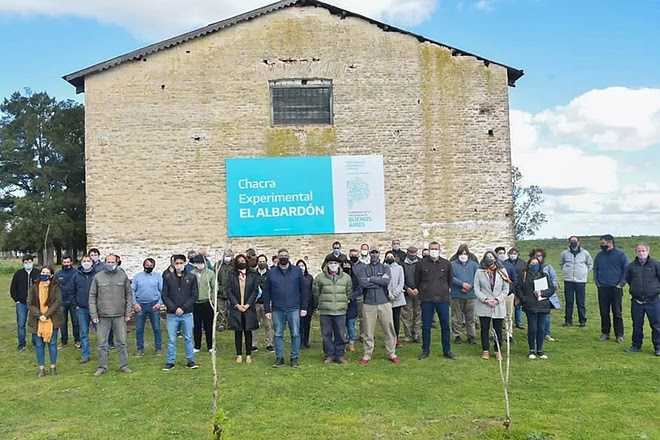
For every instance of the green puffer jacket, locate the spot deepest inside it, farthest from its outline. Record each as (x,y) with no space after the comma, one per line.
(332,296)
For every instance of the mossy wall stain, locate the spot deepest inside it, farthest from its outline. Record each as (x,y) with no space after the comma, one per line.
(286,142)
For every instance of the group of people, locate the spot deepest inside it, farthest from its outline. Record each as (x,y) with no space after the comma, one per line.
(245,292)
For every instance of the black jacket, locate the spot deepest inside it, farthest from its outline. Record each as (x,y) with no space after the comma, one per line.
(433,279)
(262,283)
(529,299)
(644,280)
(21,283)
(180,292)
(79,286)
(233,292)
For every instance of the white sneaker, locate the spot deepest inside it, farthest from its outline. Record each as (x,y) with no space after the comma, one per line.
(210,350)
(532,356)
(549,338)
(543,356)
(195,350)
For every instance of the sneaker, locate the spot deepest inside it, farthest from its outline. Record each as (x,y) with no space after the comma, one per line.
(583,324)
(471,341)
(61,346)
(269,349)
(84,360)
(632,349)
(542,355)
(395,360)
(126,370)
(20,348)
(351,347)
(364,361)
(139,353)
(341,361)
(568,324)
(211,350)
(111,347)
(255,349)
(549,338)
(450,356)
(498,356)
(196,350)
(328,360)
(458,340)
(294,363)
(99,371)
(168,367)
(423,356)
(399,344)
(53,371)
(657,351)
(159,353)
(192,365)
(41,373)
(77,345)
(619,340)
(532,355)
(278,363)
(485,355)
(520,327)
(604,337)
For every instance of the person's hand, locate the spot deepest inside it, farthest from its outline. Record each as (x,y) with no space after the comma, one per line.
(179,311)
(467,287)
(557,288)
(42,318)
(245,307)
(537,293)
(618,286)
(409,291)
(137,308)
(269,316)
(156,307)
(95,320)
(303,313)
(18,302)
(127,318)
(415,292)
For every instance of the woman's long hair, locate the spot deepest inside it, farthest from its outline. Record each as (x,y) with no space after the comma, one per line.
(236,260)
(305,264)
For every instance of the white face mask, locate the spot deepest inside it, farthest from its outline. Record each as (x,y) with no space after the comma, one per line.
(364,252)
(463,258)
(179,267)
(200,266)
(434,253)
(501,257)
(86,265)
(227,260)
(513,257)
(333,267)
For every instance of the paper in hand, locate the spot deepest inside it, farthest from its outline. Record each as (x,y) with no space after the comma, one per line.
(541,284)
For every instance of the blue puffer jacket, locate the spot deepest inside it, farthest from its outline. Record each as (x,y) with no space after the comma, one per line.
(285,290)
(79,286)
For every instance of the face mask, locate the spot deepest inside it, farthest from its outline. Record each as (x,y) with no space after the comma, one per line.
(347,269)
(513,257)
(336,252)
(334,268)
(301,268)
(200,266)
(534,267)
(66,266)
(241,266)
(179,267)
(354,259)
(111,267)
(434,253)
(227,260)
(375,258)
(463,258)
(501,257)
(604,247)
(86,265)
(364,252)
(489,262)
(95,258)
(396,247)
(573,244)
(262,265)
(389,260)
(412,257)
(642,255)
(148,269)
(45,277)
(284,261)
(540,258)
(28,266)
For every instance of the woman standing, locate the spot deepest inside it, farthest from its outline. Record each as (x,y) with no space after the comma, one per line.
(242,290)
(536,305)
(395,291)
(306,321)
(44,304)
(491,286)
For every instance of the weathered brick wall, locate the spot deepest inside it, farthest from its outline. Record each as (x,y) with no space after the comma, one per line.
(159,130)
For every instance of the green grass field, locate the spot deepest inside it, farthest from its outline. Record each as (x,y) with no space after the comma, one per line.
(585,390)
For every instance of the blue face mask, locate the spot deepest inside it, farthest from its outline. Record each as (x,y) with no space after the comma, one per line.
(336,252)
(28,266)
(534,267)
(45,277)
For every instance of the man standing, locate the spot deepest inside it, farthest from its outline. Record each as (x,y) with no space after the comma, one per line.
(575,264)
(519,265)
(79,287)
(332,290)
(63,277)
(433,277)
(202,310)
(336,252)
(147,287)
(21,283)
(374,278)
(463,298)
(180,293)
(399,254)
(411,314)
(285,301)
(95,255)
(110,306)
(610,276)
(262,270)
(643,277)
(512,274)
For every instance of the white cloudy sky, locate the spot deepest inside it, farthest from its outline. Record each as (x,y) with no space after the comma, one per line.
(585,119)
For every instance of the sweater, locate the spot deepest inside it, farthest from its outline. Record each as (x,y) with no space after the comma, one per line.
(610,268)
(433,279)
(463,273)
(110,295)
(332,292)
(285,290)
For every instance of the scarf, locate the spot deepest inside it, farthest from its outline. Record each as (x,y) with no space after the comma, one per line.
(491,275)
(45,329)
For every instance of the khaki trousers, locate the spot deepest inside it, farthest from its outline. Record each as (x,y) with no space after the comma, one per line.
(382,314)
(264,323)
(462,317)
(411,316)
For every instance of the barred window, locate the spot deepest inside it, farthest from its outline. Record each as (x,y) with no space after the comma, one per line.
(301,102)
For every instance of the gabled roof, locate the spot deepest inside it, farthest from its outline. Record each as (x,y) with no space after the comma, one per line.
(77,79)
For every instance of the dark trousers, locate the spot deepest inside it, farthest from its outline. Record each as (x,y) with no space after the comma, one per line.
(396,316)
(484,323)
(305,326)
(536,330)
(610,298)
(332,330)
(238,339)
(575,292)
(203,315)
(68,309)
(428,311)
(651,309)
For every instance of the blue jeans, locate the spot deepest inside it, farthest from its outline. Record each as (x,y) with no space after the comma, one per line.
(518,316)
(280,319)
(546,327)
(67,309)
(185,322)
(428,310)
(21,321)
(40,348)
(83,330)
(535,330)
(141,320)
(350,329)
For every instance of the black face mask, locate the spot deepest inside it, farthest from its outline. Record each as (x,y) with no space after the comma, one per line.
(262,265)
(573,244)
(241,265)
(604,247)
(389,260)
(283,261)
(148,269)
(353,259)
(66,266)
(347,269)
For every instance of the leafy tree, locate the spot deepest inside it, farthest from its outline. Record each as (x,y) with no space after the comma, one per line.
(527,217)
(42,171)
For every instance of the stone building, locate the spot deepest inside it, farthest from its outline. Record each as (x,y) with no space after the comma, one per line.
(160,122)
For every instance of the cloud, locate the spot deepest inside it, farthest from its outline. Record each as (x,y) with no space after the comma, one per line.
(157,19)
(484,5)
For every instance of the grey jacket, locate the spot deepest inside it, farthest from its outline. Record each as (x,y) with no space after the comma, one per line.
(575,267)
(484,292)
(110,295)
(395,288)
